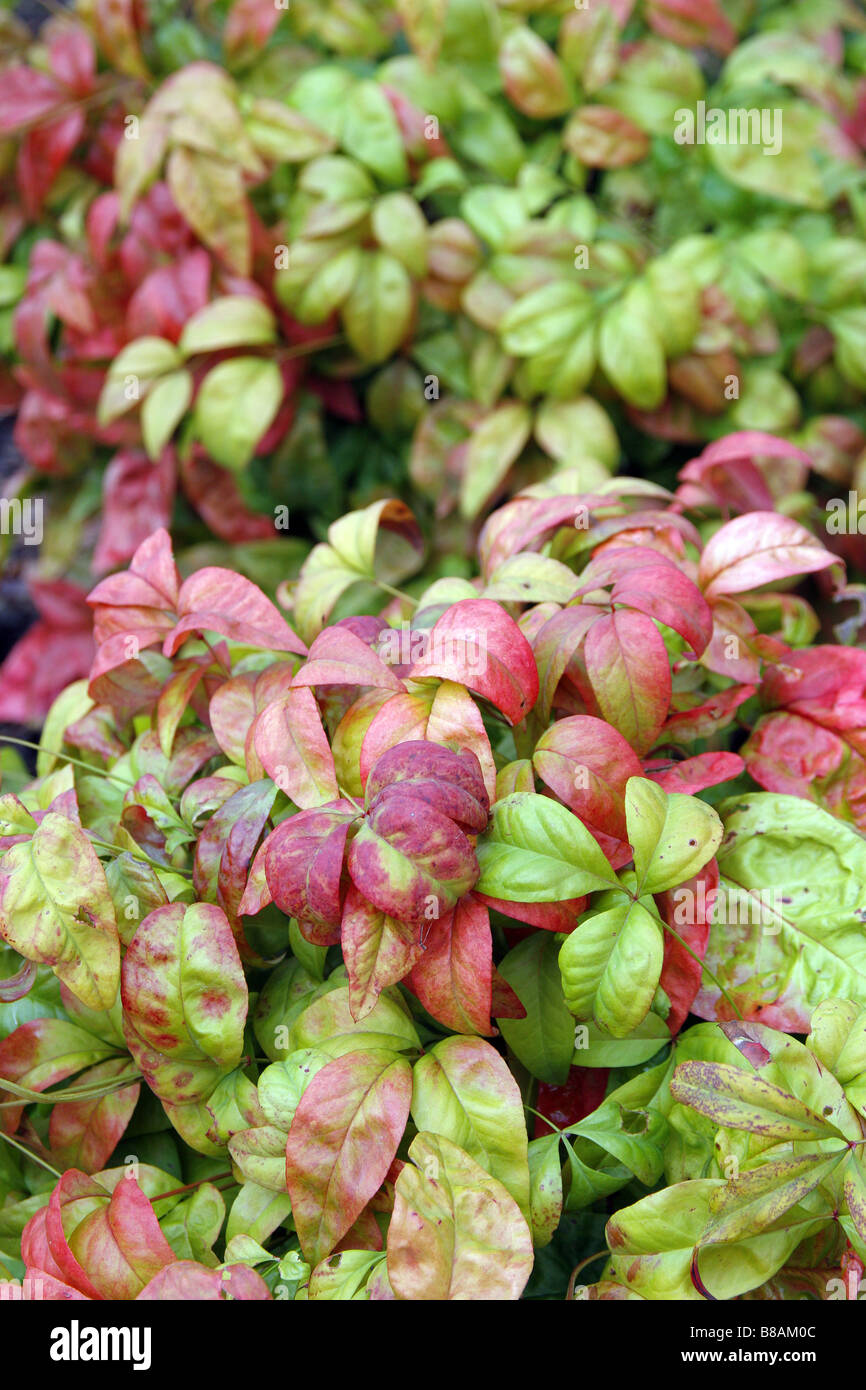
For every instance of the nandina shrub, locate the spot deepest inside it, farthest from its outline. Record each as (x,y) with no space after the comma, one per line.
(274,264)
(390,953)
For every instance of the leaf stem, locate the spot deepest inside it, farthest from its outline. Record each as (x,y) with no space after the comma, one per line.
(56,753)
(569,1296)
(22,1148)
(705,969)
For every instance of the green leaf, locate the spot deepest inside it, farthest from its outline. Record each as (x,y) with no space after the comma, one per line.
(163,409)
(672,835)
(537,851)
(133,370)
(377,313)
(400,227)
(545,1188)
(653,1244)
(593,1048)
(742,1100)
(234,320)
(372,135)
(544,1040)
(55,908)
(328,1024)
(631,354)
(747,1204)
(791,902)
(236,405)
(611,966)
(495,445)
(463,1090)
(456,1233)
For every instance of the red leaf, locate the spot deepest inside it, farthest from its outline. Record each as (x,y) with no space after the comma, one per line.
(477,644)
(43,153)
(587,764)
(687,909)
(339,657)
(451,782)
(27,95)
(56,651)
(188,1281)
(454,976)
(84,1134)
(293,748)
(571,1102)
(168,296)
(213,491)
(377,949)
(732,473)
(107,1247)
(341,1144)
(629,669)
(757,549)
(411,861)
(696,774)
(303,861)
(218,600)
(137,498)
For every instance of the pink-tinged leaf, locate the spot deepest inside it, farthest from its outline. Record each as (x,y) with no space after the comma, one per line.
(687,910)
(304,865)
(629,670)
(454,976)
(137,498)
(107,1246)
(663,592)
(55,908)
(378,951)
(756,549)
(800,755)
(42,154)
(183,988)
(175,698)
(232,711)
(504,1003)
(604,138)
(696,774)
(293,748)
(456,1232)
(218,600)
(168,296)
(339,656)
(249,25)
(365,1234)
(730,473)
(28,95)
(477,644)
(555,646)
(214,493)
(187,1281)
(693,24)
(42,1052)
(737,649)
(446,715)
(342,1141)
(586,763)
(226,846)
(707,717)
(411,861)
(559,917)
(40,666)
(151,581)
(450,782)
(39,1286)
(84,1133)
